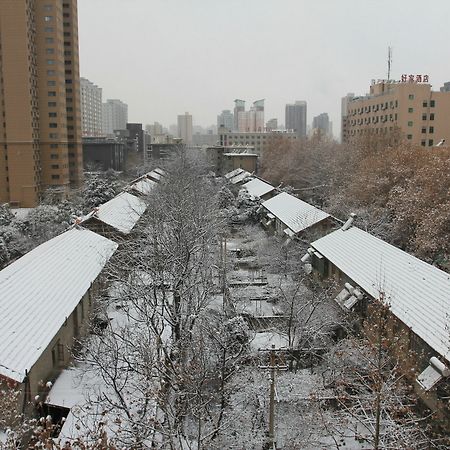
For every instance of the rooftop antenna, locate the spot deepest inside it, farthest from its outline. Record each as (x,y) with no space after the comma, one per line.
(389,63)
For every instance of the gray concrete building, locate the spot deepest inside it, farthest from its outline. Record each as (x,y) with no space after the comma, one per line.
(295,117)
(115,116)
(226,119)
(184,128)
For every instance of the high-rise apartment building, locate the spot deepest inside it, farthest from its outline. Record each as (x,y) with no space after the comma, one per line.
(91,109)
(295,117)
(239,106)
(272,124)
(226,119)
(185,128)
(114,115)
(410,106)
(344,106)
(40,134)
(322,124)
(251,121)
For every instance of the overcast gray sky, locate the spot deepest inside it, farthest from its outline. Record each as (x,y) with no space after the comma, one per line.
(165,57)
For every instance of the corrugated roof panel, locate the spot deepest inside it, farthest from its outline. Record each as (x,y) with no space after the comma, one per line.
(293,212)
(143,186)
(233,173)
(257,187)
(41,289)
(240,177)
(122,212)
(418,293)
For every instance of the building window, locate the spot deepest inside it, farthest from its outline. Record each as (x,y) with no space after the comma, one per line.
(55,166)
(48,29)
(431,131)
(423,143)
(50,51)
(53,125)
(432,116)
(430,142)
(55,177)
(51,83)
(51,73)
(50,62)
(52,114)
(49,40)
(47,7)
(424,130)
(52,93)
(48,18)
(409,136)
(53,156)
(51,104)
(53,135)
(425,104)
(54,146)
(410,123)
(411,96)
(410,110)
(424,117)
(432,103)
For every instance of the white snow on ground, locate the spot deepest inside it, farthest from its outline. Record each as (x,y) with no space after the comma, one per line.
(265,339)
(21,213)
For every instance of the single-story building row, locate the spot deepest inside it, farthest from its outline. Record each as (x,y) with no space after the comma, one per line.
(115,218)
(290,216)
(416,293)
(45,301)
(259,189)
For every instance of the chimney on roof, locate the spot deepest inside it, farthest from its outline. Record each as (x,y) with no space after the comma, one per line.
(349,222)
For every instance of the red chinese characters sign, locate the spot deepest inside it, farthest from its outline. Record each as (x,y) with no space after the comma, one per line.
(415,78)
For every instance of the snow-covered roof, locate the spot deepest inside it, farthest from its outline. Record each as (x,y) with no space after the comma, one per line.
(240,154)
(293,212)
(418,293)
(240,177)
(160,171)
(257,187)
(40,290)
(233,173)
(122,212)
(154,175)
(143,185)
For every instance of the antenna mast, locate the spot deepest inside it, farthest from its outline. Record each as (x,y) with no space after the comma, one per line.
(389,63)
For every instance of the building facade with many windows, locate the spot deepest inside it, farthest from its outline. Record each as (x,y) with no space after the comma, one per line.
(40,134)
(421,114)
(114,115)
(91,109)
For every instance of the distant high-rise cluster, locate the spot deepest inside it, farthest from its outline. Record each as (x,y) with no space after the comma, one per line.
(115,116)
(250,121)
(39,100)
(91,109)
(295,117)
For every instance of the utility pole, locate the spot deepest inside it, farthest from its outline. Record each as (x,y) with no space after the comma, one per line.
(273,367)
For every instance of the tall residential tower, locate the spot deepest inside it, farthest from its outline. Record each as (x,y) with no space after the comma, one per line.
(91,109)
(40,134)
(115,116)
(295,118)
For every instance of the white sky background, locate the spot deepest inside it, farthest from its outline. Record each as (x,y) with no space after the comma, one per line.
(165,57)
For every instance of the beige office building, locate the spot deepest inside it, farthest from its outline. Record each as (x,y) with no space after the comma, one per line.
(40,134)
(421,115)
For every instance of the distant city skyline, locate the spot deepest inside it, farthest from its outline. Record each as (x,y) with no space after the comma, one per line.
(346,48)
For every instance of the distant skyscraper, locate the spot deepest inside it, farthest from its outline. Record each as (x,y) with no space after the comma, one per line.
(115,116)
(226,119)
(40,127)
(322,124)
(344,105)
(239,106)
(250,121)
(185,128)
(272,124)
(295,117)
(91,109)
